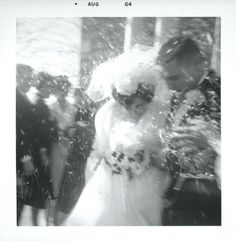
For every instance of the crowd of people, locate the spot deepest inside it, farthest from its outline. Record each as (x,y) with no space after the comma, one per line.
(150,155)
(49,164)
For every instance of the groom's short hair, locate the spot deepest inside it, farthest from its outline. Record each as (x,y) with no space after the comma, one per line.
(182,47)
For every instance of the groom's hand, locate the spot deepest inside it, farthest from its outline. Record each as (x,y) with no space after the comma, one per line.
(189,140)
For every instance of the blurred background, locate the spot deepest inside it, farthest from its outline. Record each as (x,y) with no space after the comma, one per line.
(74,46)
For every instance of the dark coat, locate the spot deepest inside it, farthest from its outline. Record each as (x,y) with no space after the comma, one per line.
(24,128)
(24,141)
(45,130)
(40,131)
(196,201)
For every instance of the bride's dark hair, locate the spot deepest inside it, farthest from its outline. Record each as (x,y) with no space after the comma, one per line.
(145,91)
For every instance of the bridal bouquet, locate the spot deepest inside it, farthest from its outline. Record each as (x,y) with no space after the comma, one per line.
(129,150)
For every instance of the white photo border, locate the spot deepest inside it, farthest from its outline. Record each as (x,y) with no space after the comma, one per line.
(12,9)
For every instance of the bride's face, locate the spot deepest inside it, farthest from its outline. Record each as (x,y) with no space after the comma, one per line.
(136,107)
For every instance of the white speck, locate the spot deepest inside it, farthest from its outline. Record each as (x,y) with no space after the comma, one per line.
(175,42)
(169,50)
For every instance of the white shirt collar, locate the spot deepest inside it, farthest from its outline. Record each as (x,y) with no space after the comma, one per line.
(203,77)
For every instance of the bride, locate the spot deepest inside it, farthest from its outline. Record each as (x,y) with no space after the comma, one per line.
(125,174)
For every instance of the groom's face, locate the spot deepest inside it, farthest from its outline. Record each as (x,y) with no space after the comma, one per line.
(178,77)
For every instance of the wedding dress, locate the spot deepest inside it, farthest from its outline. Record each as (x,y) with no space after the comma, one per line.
(124,187)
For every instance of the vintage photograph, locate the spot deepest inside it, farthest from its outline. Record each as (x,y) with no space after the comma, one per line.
(118,121)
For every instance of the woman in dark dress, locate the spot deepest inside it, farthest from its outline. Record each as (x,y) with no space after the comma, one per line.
(81,139)
(39,184)
(24,129)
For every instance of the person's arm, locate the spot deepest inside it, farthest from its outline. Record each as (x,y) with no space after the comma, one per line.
(196,141)
(218,163)
(100,145)
(93,162)
(44,133)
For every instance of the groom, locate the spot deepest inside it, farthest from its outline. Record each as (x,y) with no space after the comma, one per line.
(194,197)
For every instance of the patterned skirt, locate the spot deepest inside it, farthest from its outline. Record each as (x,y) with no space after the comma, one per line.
(72,182)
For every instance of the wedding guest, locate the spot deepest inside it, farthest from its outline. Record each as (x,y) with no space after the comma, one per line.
(81,136)
(24,130)
(62,112)
(44,133)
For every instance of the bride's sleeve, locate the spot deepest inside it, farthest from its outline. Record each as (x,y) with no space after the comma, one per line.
(100,145)
(93,162)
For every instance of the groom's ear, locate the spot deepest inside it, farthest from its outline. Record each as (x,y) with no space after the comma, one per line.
(179,47)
